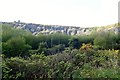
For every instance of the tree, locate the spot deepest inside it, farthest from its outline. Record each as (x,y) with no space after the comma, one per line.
(105,40)
(15,46)
(100,42)
(74,42)
(42,47)
(8,32)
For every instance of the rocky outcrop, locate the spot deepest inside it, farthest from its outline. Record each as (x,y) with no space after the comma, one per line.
(36,29)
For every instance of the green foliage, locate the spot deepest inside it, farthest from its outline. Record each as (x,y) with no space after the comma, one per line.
(85,39)
(105,40)
(42,47)
(55,49)
(9,32)
(100,42)
(76,74)
(76,65)
(74,42)
(60,39)
(15,47)
(30,57)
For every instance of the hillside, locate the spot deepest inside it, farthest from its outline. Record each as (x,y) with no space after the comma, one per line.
(29,57)
(36,29)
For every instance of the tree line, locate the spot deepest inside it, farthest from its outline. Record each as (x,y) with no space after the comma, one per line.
(17,42)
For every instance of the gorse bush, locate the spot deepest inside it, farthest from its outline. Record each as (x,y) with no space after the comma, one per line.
(86,47)
(77,64)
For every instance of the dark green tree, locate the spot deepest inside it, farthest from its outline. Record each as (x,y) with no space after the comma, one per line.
(15,47)
(74,43)
(42,47)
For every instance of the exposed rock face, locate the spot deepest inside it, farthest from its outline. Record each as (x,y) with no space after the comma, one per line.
(50,29)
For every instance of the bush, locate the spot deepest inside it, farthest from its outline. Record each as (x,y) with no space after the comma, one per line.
(77,64)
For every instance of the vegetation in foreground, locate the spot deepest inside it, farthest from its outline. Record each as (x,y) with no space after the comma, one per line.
(30,57)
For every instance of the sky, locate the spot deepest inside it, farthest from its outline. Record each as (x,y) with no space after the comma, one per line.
(83,13)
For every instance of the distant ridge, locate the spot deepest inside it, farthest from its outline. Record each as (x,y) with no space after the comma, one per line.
(36,29)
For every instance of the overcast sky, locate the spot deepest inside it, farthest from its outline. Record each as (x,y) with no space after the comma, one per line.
(61,12)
